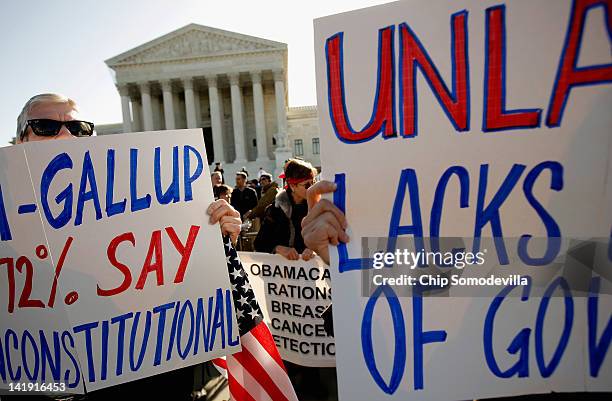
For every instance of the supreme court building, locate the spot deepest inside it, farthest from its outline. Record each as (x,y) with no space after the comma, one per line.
(232,86)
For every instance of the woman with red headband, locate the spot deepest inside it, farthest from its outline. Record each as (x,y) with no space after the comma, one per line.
(281,229)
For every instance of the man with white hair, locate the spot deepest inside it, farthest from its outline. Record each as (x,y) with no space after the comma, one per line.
(51,116)
(54,116)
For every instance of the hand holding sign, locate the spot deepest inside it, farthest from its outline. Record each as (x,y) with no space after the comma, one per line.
(324,224)
(228,218)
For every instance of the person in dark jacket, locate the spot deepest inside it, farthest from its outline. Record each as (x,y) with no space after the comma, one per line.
(243,198)
(268,194)
(281,229)
(281,233)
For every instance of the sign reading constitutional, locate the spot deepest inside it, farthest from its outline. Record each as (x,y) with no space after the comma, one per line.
(292,295)
(478,119)
(110,269)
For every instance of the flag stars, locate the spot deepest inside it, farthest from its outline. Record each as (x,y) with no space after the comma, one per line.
(243,300)
(247,286)
(236,274)
(254,313)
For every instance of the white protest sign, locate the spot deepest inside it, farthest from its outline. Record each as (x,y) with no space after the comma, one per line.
(141,274)
(292,296)
(478,119)
(27,274)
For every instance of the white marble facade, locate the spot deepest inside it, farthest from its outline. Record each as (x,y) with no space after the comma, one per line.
(232,85)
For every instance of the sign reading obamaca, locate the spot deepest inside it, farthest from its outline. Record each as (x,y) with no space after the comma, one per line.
(293,294)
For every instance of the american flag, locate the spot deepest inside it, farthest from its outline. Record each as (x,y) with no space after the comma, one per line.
(256,373)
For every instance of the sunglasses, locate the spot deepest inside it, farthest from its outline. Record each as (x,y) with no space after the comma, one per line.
(306,184)
(47,127)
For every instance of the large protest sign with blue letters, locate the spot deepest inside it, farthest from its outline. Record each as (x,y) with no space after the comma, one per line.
(110,269)
(489,122)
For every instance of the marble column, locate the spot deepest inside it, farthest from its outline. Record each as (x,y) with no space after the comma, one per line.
(224,130)
(282,151)
(147,108)
(190,107)
(136,115)
(260,121)
(125,108)
(237,119)
(198,107)
(168,104)
(281,109)
(216,118)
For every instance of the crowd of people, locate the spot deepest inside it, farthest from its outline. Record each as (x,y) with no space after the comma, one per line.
(294,222)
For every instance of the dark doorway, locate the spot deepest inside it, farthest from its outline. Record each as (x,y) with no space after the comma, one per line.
(208,142)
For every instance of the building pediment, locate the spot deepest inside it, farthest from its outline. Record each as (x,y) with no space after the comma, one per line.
(194,41)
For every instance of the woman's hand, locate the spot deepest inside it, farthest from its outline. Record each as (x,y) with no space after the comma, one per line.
(288,253)
(307,254)
(228,217)
(324,224)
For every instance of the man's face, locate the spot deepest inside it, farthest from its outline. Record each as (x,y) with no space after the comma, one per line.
(53,111)
(240,181)
(216,179)
(263,181)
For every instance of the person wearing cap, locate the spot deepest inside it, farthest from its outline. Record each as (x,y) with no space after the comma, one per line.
(269,190)
(216,178)
(219,168)
(281,227)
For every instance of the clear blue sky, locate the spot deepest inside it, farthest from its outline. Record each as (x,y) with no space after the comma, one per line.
(60,45)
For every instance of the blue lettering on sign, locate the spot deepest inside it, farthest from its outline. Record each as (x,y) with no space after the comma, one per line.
(552,228)
(420,338)
(112,208)
(484,213)
(59,162)
(490,213)
(51,356)
(597,349)
(520,344)
(5,229)
(38,355)
(87,176)
(189,178)
(548,370)
(58,209)
(172,193)
(399,331)
(142,202)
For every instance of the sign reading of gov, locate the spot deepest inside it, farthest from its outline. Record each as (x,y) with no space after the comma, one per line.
(478,119)
(110,269)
